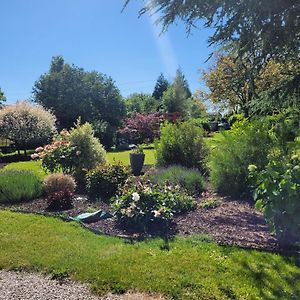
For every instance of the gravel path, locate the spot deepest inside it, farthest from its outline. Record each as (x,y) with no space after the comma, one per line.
(31,286)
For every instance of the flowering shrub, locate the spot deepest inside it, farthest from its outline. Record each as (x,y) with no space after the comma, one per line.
(57,182)
(104,180)
(26,125)
(145,206)
(72,152)
(277,193)
(60,200)
(60,155)
(142,128)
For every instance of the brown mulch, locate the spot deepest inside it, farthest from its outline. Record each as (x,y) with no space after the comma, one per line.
(231,223)
(2,165)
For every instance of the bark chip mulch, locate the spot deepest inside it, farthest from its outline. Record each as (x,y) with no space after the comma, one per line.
(233,222)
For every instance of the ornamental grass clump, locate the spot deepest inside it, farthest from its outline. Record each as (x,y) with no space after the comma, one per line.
(57,182)
(18,186)
(146,207)
(189,179)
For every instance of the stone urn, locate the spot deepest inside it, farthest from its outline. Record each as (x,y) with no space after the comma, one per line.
(137,163)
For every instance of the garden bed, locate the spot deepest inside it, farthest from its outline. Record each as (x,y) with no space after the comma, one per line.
(232,222)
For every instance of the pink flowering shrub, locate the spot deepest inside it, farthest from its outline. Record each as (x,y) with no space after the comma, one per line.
(72,152)
(142,128)
(145,207)
(58,156)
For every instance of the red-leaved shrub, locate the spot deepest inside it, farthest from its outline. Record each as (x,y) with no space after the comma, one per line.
(142,128)
(60,200)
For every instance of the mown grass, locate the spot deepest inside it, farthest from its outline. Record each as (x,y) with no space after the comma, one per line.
(123,157)
(32,165)
(191,269)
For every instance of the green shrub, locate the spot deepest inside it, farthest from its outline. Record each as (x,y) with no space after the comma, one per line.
(104,180)
(58,182)
(182,144)
(146,207)
(91,152)
(17,186)
(278,194)
(189,179)
(246,143)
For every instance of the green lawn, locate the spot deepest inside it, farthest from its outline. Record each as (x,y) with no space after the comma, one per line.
(213,140)
(31,165)
(191,269)
(123,156)
(112,157)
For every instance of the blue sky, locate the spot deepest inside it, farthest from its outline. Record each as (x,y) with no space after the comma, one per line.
(95,35)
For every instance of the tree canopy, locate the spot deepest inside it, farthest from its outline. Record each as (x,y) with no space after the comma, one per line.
(140,103)
(235,84)
(270,27)
(72,92)
(26,125)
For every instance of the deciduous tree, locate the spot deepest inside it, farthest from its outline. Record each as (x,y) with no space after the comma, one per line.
(26,125)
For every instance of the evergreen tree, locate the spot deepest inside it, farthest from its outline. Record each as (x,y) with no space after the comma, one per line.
(2,97)
(176,97)
(161,86)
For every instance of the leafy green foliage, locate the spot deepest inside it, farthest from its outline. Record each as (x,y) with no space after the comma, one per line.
(105,132)
(277,192)
(182,144)
(246,143)
(72,92)
(148,207)
(188,179)
(140,103)
(18,186)
(104,180)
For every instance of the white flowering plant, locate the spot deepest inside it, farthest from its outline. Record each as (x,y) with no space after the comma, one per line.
(144,206)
